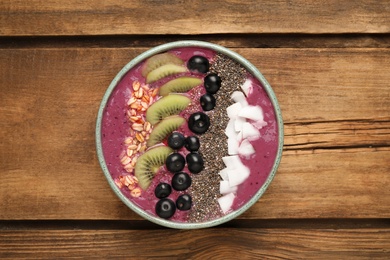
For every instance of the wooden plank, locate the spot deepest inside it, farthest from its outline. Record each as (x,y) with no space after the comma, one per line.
(198,244)
(342,183)
(49,100)
(337,134)
(37,17)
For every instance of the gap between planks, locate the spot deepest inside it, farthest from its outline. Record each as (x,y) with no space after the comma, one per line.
(380,40)
(354,223)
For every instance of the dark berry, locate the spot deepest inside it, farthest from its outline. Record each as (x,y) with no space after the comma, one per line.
(162,190)
(176,140)
(212,83)
(207,101)
(194,162)
(199,122)
(198,64)
(192,143)
(184,202)
(175,162)
(181,181)
(165,208)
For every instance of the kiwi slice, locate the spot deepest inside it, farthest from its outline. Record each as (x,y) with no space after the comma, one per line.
(149,163)
(166,106)
(158,60)
(164,71)
(164,128)
(182,84)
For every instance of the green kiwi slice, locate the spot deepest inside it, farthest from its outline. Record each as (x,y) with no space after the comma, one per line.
(164,128)
(149,163)
(179,85)
(166,106)
(158,60)
(164,71)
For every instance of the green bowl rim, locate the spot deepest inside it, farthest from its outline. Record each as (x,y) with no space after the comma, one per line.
(162,48)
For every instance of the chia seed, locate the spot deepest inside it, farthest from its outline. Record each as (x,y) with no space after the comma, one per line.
(205,185)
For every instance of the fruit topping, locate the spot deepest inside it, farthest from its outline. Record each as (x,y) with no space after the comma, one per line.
(184,202)
(207,102)
(164,71)
(162,190)
(226,202)
(175,162)
(194,162)
(166,106)
(179,85)
(149,163)
(224,187)
(254,113)
(159,60)
(246,149)
(212,83)
(247,87)
(238,96)
(235,171)
(199,123)
(176,140)
(181,181)
(164,128)
(240,131)
(165,208)
(198,63)
(192,143)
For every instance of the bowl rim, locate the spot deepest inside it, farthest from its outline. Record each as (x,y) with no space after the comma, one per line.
(251,69)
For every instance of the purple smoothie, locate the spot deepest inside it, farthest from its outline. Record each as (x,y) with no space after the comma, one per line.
(115,128)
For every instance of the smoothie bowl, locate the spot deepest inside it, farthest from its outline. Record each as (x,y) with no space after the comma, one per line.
(189,135)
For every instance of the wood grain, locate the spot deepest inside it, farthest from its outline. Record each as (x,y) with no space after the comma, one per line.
(337,134)
(198,244)
(336,111)
(74,17)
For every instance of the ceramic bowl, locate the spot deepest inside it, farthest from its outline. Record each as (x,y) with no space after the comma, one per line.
(163,48)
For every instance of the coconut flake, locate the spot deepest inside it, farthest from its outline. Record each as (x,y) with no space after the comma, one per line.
(249,132)
(238,96)
(247,87)
(236,171)
(254,113)
(224,187)
(238,123)
(246,149)
(226,202)
(230,131)
(233,145)
(231,161)
(259,124)
(238,175)
(224,174)
(233,110)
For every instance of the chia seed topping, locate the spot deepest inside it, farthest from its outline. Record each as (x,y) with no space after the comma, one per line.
(214,145)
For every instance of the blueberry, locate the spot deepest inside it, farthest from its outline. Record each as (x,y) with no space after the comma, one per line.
(194,162)
(162,190)
(184,202)
(176,140)
(165,208)
(175,162)
(207,101)
(199,64)
(181,181)
(212,83)
(192,143)
(199,123)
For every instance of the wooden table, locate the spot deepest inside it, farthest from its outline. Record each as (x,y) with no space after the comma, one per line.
(327,61)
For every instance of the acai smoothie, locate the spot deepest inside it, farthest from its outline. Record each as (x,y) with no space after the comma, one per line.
(189,135)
